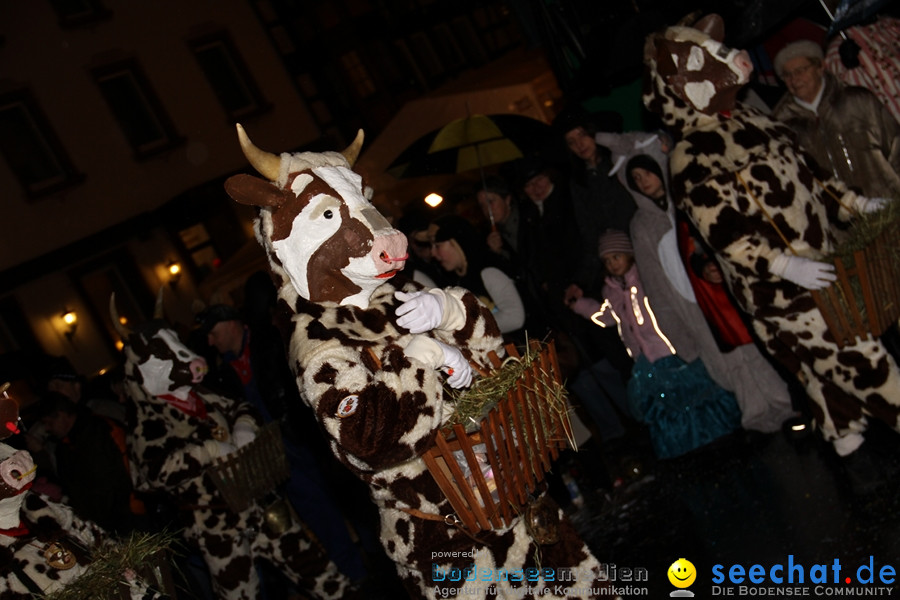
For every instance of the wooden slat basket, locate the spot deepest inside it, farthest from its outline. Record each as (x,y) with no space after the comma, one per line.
(253,471)
(156,571)
(510,451)
(865,299)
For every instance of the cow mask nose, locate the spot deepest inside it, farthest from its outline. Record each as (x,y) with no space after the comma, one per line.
(389,252)
(199,369)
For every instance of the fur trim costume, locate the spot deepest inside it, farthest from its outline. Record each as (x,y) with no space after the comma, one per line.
(178,431)
(370,352)
(736,171)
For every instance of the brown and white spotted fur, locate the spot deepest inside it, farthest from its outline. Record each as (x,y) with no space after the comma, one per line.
(171,450)
(691,82)
(378,407)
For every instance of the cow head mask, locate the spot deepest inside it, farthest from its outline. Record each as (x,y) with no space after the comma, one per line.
(317,224)
(155,357)
(694,64)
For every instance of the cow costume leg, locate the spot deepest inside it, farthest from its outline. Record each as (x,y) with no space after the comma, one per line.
(370,353)
(301,559)
(846,385)
(755,200)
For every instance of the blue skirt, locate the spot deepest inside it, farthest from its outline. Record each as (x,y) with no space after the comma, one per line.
(681,404)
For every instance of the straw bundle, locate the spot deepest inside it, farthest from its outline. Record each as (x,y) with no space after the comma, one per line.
(143,554)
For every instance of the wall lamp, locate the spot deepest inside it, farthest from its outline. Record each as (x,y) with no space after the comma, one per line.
(70,320)
(174,270)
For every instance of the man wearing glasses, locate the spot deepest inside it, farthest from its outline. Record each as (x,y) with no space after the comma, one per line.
(846,129)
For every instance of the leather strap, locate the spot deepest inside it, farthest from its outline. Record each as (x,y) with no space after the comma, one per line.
(450,520)
(769,217)
(446,519)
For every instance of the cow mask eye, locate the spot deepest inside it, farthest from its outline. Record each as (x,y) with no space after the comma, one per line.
(328,214)
(695,59)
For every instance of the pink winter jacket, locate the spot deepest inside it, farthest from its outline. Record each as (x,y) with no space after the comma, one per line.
(628,308)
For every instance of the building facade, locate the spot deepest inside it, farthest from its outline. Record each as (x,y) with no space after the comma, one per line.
(117,131)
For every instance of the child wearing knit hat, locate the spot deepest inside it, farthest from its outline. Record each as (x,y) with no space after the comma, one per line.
(682,406)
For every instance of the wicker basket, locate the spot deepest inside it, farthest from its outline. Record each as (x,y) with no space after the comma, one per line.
(253,471)
(865,299)
(514,446)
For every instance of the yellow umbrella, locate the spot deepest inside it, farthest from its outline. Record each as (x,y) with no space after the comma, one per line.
(479,143)
(472,142)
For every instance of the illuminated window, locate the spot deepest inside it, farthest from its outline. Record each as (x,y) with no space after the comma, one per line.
(199,245)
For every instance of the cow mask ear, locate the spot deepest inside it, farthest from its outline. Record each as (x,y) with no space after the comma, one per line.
(253,191)
(713,26)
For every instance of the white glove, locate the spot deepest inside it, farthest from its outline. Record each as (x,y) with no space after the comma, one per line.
(244,433)
(420,311)
(870,205)
(217,449)
(811,274)
(456,366)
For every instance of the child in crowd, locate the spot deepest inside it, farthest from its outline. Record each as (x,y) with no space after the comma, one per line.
(682,406)
(659,235)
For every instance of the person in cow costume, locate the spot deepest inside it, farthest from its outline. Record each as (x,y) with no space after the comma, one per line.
(179,429)
(771,217)
(370,352)
(44,545)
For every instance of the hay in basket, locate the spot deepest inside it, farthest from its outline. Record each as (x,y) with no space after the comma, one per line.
(500,441)
(146,556)
(865,299)
(253,471)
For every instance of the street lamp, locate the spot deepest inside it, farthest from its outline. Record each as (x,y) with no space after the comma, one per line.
(174,269)
(70,320)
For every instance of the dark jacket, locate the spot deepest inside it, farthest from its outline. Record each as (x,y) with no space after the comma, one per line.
(599,203)
(91,470)
(273,390)
(853,137)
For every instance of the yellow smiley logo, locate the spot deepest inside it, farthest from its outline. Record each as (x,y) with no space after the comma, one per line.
(682,573)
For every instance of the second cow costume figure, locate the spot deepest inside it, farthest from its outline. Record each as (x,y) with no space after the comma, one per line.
(757,203)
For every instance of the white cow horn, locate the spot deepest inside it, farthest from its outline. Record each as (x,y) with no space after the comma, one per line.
(351,153)
(123,331)
(267,164)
